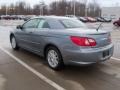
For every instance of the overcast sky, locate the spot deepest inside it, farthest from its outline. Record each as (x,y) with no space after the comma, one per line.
(32,2)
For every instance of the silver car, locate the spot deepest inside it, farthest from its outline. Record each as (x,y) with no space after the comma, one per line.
(62,41)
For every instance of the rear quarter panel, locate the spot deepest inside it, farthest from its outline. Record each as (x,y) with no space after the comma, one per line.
(60,40)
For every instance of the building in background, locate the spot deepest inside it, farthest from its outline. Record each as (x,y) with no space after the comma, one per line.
(111,12)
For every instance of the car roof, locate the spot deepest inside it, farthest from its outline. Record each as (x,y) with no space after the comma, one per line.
(52,17)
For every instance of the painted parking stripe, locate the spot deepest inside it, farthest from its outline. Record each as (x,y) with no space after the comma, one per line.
(115,58)
(41,76)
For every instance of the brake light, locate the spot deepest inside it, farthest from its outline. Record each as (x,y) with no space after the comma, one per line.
(83,41)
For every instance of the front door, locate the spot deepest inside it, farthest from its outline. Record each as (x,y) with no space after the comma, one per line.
(25,34)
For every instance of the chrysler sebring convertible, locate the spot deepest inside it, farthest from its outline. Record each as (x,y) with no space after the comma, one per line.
(62,41)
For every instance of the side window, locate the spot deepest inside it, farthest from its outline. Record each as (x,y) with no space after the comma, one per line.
(55,24)
(43,24)
(31,23)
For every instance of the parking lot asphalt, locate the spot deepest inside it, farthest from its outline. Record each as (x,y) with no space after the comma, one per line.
(15,76)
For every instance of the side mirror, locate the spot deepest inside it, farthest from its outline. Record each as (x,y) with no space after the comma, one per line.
(19,27)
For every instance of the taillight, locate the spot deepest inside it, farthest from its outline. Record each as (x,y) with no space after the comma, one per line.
(83,41)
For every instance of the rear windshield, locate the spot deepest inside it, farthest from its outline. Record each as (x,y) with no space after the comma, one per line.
(65,23)
(72,23)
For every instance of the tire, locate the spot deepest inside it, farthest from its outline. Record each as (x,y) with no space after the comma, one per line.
(54,58)
(14,43)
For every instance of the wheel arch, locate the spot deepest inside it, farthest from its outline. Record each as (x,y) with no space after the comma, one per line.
(61,62)
(11,35)
(50,45)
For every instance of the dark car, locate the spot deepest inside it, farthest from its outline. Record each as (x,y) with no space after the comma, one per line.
(7,17)
(117,23)
(99,19)
(13,17)
(106,19)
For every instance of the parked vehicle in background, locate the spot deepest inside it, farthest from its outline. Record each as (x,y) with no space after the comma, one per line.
(62,41)
(107,19)
(6,17)
(10,17)
(117,23)
(21,17)
(99,19)
(71,16)
(26,18)
(14,17)
(90,19)
(83,19)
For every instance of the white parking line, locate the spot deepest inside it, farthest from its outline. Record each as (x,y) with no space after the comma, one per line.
(41,76)
(115,58)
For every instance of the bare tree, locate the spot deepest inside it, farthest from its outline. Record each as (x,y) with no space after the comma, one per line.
(3,10)
(61,7)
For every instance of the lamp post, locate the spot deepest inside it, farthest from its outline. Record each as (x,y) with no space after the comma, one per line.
(66,9)
(41,8)
(86,11)
(74,7)
(12,10)
(86,8)
(6,10)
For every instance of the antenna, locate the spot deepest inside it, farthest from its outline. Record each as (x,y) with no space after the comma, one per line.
(99,26)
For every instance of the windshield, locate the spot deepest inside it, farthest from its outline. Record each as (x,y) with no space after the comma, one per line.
(72,23)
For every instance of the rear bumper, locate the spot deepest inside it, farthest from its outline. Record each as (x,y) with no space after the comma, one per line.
(88,56)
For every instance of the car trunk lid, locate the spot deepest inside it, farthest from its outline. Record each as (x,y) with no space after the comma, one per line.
(101,37)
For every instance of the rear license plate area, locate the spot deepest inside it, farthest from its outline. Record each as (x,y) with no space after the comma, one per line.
(106,53)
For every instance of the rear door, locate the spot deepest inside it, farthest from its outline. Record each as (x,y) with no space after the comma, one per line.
(39,35)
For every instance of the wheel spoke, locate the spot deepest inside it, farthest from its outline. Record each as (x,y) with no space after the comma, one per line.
(52,58)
